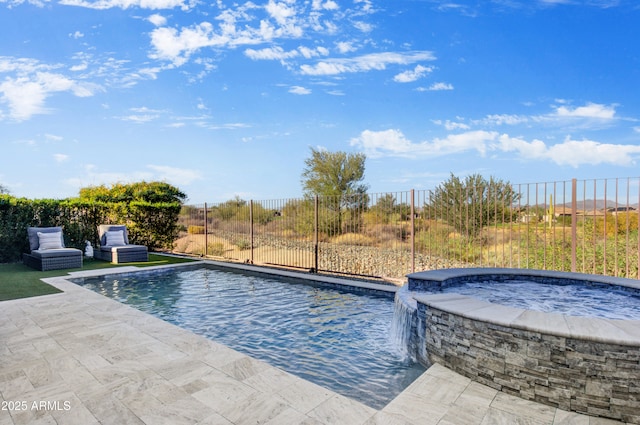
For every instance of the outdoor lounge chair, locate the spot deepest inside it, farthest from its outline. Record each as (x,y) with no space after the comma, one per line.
(48,251)
(115,246)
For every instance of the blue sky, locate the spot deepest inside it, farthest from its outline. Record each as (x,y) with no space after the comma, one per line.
(225,98)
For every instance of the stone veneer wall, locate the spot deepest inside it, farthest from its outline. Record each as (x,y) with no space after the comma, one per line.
(589,377)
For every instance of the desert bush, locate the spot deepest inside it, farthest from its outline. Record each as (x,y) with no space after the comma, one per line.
(216,249)
(242,244)
(617,224)
(389,232)
(195,230)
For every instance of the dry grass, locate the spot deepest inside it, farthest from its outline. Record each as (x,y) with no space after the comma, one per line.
(357,239)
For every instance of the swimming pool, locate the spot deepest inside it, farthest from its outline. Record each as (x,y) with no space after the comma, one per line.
(334,337)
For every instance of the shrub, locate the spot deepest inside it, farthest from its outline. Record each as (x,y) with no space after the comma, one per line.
(153,225)
(620,224)
(195,230)
(242,244)
(216,249)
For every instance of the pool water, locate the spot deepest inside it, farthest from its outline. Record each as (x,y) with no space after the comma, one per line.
(332,337)
(609,302)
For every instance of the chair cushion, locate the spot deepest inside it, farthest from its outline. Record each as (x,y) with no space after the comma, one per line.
(114,238)
(104,228)
(34,241)
(51,240)
(51,253)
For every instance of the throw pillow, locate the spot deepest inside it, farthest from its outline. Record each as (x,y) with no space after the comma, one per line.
(49,240)
(115,238)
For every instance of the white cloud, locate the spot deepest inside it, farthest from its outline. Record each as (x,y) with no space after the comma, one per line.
(412,75)
(126,4)
(143,115)
(79,67)
(452,125)
(570,152)
(60,157)
(169,44)
(394,143)
(173,175)
(249,23)
(178,176)
(310,53)
(299,90)
(326,5)
(440,87)
(31,83)
(26,95)
(53,137)
(278,53)
(280,11)
(271,53)
(590,110)
(363,26)
(372,61)
(93,177)
(503,119)
(345,47)
(578,152)
(157,20)
(76,35)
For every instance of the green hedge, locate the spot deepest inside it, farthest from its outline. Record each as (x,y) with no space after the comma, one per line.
(153,225)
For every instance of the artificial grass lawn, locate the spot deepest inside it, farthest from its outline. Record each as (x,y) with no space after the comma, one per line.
(20,281)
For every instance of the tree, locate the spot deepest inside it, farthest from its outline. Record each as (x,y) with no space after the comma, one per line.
(387,205)
(471,204)
(333,174)
(230,209)
(337,177)
(3,190)
(152,192)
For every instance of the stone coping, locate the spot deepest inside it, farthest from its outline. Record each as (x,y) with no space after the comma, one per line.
(444,275)
(329,280)
(623,332)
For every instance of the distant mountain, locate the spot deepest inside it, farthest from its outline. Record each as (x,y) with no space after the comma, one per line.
(588,204)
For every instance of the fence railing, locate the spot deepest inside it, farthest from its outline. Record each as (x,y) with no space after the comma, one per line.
(588,226)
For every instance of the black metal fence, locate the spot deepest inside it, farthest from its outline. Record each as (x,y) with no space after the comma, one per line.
(588,226)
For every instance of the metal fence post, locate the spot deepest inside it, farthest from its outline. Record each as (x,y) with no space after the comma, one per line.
(251,228)
(574,224)
(413,232)
(206,231)
(315,234)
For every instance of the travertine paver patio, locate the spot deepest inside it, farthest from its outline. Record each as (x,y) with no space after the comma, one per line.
(79,358)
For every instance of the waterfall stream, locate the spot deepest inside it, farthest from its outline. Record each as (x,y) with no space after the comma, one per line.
(404,313)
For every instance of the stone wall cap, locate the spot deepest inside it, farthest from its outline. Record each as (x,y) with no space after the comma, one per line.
(443,275)
(622,332)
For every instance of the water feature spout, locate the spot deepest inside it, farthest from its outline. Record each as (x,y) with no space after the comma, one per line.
(403,326)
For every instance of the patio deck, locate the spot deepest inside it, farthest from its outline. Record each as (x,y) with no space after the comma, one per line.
(80,358)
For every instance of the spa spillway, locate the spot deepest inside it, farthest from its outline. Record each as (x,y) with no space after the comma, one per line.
(589,365)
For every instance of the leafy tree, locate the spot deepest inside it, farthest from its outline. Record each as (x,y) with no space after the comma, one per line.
(230,209)
(388,206)
(3,190)
(472,203)
(333,174)
(337,177)
(152,192)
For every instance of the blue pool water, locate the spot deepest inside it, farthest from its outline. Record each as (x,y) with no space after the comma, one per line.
(608,302)
(336,338)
